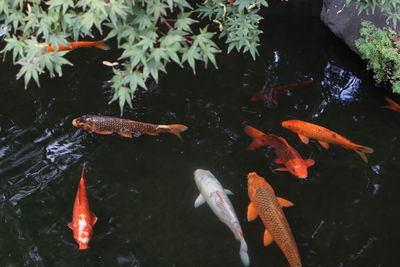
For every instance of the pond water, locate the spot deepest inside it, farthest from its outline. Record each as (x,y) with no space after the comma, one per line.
(142,189)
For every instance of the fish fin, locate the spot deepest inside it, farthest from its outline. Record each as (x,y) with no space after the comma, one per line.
(278,161)
(125,134)
(258,137)
(228,192)
(258,97)
(360,150)
(284,203)
(71,226)
(392,104)
(103,132)
(303,138)
(102,45)
(94,218)
(176,129)
(199,201)
(268,239)
(281,169)
(243,253)
(251,212)
(324,144)
(309,162)
(136,134)
(151,133)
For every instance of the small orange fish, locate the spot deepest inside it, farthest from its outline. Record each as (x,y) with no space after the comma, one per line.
(271,94)
(82,218)
(264,203)
(73,45)
(287,155)
(306,130)
(123,127)
(392,105)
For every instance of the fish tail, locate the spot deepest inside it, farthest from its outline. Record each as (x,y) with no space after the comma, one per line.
(259,139)
(360,150)
(176,129)
(243,253)
(102,45)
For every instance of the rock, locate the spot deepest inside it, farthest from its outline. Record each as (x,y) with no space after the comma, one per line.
(345,22)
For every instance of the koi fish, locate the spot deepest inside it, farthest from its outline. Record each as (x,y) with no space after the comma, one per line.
(82,218)
(392,105)
(123,127)
(264,203)
(216,196)
(306,130)
(73,45)
(287,155)
(271,94)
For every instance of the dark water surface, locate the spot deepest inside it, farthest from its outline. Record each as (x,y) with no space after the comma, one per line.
(142,189)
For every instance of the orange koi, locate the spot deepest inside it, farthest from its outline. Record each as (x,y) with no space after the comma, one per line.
(73,45)
(264,203)
(123,127)
(82,218)
(306,130)
(392,105)
(271,94)
(287,155)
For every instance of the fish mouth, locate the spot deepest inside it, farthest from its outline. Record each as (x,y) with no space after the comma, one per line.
(75,122)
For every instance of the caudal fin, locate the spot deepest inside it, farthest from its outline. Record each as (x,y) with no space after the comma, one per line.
(243,253)
(102,45)
(360,150)
(259,138)
(392,104)
(176,129)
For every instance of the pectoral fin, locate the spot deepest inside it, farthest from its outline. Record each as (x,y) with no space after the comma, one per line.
(278,161)
(324,144)
(199,201)
(309,162)
(284,203)
(303,138)
(94,218)
(103,132)
(152,133)
(71,226)
(228,192)
(251,212)
(125,134)
(267,238)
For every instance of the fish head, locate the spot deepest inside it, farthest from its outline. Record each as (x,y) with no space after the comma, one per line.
(254,181)
(84,122)
(291,125)
(299,170)
(201,176)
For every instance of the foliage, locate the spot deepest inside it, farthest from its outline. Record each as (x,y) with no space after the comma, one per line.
(381,48)
(151,33)
(391,8)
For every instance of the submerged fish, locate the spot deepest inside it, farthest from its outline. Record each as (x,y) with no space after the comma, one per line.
(271,94)
(392,105)
(287,155)
(306,130)
(216,196)
(264,203)
(82,218)
(73,45)
(123,127)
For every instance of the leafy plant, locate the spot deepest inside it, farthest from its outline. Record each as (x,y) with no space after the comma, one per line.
(150,33)
(391,8)
(381,48)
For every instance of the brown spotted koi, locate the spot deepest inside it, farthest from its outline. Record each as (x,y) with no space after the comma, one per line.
(306,130)
(264,203)
(123,127)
